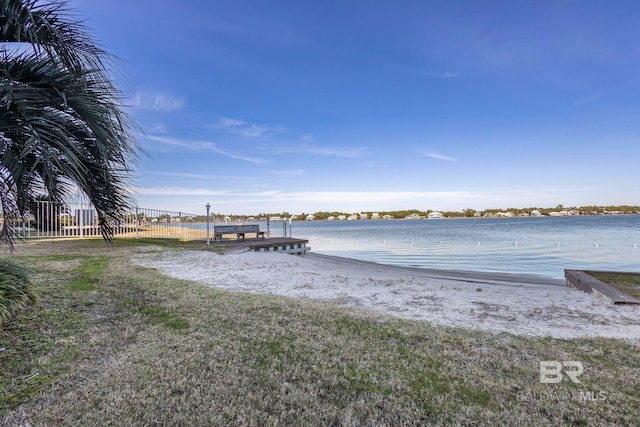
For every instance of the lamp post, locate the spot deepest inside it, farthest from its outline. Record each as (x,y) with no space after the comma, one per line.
(208,207)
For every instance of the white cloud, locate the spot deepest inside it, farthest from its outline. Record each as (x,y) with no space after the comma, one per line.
(435,155)
(380,197)
(291,172)
(150,101)
(199,176)
(587,99)
(187,191)
(179,191)
(156,128)
(234,201)
(248,130)
(420,71)
(441,75)
(225,122)
(253,131)
(325,150)
(202,146)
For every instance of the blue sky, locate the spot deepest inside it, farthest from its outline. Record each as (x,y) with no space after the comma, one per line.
(301,106)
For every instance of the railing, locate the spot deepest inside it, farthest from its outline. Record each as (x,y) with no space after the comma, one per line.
(55,220)
(79,220)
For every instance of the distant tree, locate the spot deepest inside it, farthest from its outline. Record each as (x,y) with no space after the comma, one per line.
(452,214)
(164,218)
(469,213)
(62,122)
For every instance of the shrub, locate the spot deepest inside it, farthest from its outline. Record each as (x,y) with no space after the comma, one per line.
(15,289)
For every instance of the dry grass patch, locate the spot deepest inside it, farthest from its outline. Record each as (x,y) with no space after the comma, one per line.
(152,350)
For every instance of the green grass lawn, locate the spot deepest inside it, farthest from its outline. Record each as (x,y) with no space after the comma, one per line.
(113,343)
(627,283)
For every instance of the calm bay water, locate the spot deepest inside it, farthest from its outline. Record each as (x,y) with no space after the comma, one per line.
(543,245)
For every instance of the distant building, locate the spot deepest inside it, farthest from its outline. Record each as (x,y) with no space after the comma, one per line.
(331,218)
(342,217)
(310,217)
(435,215)
(364,216)
(375,215)
(413,216)
(535,213)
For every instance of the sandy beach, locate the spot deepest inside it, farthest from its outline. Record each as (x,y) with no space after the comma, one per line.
(525,305)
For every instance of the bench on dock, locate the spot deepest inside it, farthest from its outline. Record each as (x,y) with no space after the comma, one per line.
(238,230)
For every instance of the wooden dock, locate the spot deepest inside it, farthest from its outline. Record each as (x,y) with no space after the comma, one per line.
(275,244)
(585,282)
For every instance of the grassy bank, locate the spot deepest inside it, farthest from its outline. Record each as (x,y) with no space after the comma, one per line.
(624,282)
(113,343)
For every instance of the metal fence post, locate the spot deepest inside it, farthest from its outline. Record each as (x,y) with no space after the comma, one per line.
(81,222)
(208,207)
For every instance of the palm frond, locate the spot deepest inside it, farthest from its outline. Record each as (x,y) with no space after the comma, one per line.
(53,31)
(61,119)
(15,289)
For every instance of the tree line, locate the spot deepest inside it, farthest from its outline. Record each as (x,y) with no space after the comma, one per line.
(470,213)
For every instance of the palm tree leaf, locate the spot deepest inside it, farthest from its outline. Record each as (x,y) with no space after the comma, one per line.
(61,119)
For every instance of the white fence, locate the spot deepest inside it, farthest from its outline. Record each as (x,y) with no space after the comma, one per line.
(79,220)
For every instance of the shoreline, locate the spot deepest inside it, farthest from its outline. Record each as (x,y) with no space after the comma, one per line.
(445,274)
(496,302)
